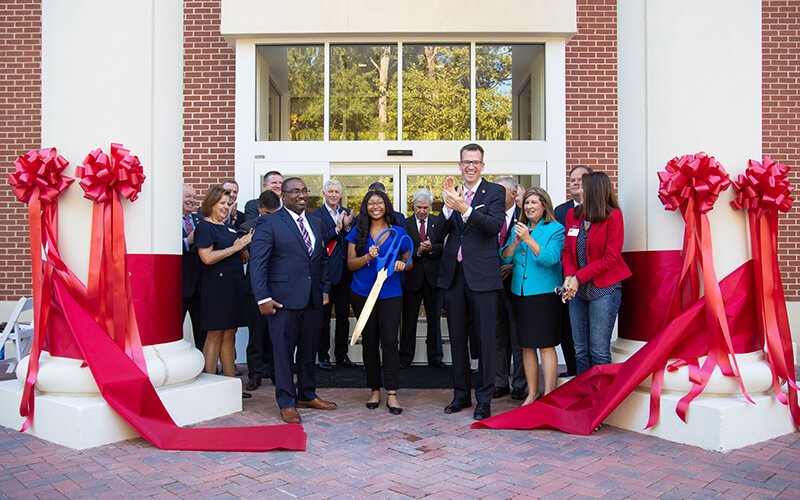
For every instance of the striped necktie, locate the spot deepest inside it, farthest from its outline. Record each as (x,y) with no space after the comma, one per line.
(304,232)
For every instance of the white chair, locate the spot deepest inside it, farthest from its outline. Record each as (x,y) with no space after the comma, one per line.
(20,333)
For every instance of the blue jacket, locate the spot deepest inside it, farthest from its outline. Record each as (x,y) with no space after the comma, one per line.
(534,275)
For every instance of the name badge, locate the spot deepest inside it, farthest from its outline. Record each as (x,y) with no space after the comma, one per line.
(573,232)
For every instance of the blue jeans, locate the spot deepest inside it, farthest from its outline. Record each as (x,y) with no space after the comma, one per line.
(592,323)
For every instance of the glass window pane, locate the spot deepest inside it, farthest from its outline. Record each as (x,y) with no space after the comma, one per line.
(355,187)
(363,92)
(297,74)
(509,83)
(432,183)
(435,92)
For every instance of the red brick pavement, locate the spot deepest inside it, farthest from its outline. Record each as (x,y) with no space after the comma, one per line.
(355,452)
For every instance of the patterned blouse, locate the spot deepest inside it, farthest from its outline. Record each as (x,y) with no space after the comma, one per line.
(588,290)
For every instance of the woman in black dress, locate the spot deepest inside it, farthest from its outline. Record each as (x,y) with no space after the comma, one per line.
(223,291)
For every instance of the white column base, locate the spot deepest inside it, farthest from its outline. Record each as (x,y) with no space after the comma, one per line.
(720,419)
(82,422)
(713,423)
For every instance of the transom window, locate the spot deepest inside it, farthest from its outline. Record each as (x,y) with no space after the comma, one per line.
(400,91)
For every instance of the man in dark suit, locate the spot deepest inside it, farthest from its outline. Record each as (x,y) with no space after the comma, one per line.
(271,181)
(289,275)
(259,346)
(336,221)
(576,192)
(421,283)
(507,337)
(191,266)
(469,273)
(236,217)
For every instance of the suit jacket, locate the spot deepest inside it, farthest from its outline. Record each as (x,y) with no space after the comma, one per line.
(336,261)
(603,250)
(426,266)
(560,211)
(191,266)
(504,242)
(251,210)
(477,238)
(280,266)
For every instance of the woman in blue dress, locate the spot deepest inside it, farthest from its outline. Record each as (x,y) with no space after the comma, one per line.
(222,293)
(383,325)
(535,252)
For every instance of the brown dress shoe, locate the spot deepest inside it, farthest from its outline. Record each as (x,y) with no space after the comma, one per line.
(253,384)
(317,404)
(290,415)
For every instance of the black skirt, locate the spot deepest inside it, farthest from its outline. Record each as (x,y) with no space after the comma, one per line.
(538,320)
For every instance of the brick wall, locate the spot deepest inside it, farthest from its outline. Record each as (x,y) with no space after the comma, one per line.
(781,119)
(591,88)
(208,97)
(20,131)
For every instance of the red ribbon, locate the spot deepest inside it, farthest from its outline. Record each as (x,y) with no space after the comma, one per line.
(692,183)
(38,181)
(764,191)
(105,178)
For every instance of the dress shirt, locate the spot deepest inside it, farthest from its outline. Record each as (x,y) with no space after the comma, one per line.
(333,212)
(447,211)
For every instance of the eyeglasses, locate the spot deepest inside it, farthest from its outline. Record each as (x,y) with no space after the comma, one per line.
(467,163)
(375,204)
(295,192)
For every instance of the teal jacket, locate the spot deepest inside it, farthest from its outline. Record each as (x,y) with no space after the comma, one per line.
(534,275)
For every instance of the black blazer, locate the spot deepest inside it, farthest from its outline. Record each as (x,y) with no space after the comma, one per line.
(510,231)
(560,212)
(477,239)
(337,268)
(251,210)
(191,266)
(426,266)
(280,266)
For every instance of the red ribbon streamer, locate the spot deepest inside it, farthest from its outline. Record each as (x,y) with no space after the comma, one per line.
(38,181)
(582,404)
(764,191)
(105,178)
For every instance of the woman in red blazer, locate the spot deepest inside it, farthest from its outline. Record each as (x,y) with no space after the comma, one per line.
(593,270)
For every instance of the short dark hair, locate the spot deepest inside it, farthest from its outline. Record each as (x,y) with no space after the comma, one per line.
(576,167)
(213,195)
(269,200)
(470,147)
(228,181)
(377,186)
(598,197)
(271,173)
(290,179)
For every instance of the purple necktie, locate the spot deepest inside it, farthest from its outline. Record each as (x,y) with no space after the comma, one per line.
(468,200)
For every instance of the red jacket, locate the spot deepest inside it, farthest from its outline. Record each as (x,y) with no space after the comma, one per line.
(603,251)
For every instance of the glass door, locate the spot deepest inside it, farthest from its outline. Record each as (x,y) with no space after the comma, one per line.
(356,179)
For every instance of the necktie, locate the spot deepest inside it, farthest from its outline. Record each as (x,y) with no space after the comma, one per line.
(422,230)
(503,233)
(304,232)
(468,200)
(187,223)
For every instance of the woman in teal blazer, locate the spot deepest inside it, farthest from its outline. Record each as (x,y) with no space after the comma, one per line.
(535,252)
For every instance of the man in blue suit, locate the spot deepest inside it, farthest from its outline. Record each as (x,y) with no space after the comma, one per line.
(469,273)
(336,220)
(289,275)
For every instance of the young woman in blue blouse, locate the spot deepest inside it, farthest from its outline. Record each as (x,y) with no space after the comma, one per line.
(365,245)
(535,252)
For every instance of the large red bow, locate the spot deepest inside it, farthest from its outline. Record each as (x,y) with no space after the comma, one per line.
(697,178)
(43,170)
(101,174)
(764,191)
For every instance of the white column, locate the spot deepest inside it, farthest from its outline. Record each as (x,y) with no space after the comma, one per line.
(690,81)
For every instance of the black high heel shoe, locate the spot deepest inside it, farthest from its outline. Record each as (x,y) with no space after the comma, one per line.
(373,404)
(394,410)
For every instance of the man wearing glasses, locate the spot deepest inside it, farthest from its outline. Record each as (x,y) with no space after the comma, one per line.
(289,274)
(472,216)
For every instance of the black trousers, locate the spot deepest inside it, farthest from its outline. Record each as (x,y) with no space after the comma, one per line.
(508,347)
(193,306)
(259,346)
(339,302)
(462,303)
(432,298)
(380,332)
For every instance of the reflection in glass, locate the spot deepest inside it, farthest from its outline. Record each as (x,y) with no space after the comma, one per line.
(524,105)
(432,183)
(295,73)
(355,187)
(363,80)
(435,92)
(493,92)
